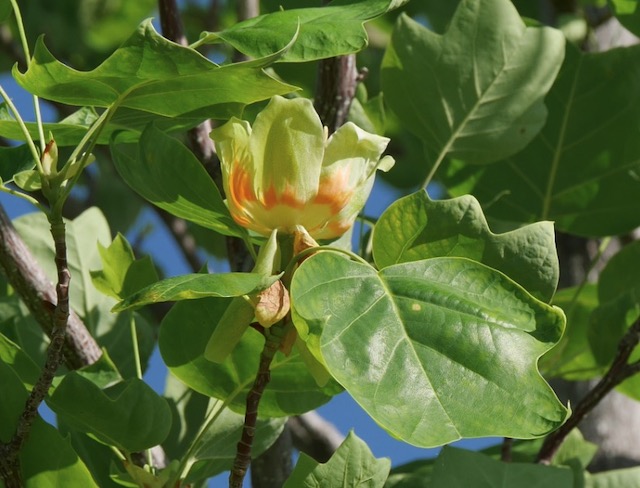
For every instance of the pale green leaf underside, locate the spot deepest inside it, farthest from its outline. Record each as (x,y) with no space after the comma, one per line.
(477,91)
(194,286)
(324,32)
(582,171)
(433,350)
(416,227)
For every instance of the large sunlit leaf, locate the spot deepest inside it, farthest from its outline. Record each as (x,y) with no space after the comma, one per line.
(167,174)
(416,227)
(351,466)
(183,338)
(324,32)
(128,415)
(477,91)
(458,468)
(194,286)
(582,171)
(151,74)
(433,350)
(46,459)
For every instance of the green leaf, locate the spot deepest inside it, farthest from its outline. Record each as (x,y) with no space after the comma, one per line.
(617,478)
(582,170)
(184,333)
(217,449)
(128,415)
(457,468)
(20,362)
(6,10)
(194,286)
(477,91)
(67,132)
(457,342)
(167,174)
(121,274)
(55,465)
(151,74)
(416,227)
(83,234)
(28,180)
(352,465)
(628,13)
(572,358)
(324,32)
(15,160)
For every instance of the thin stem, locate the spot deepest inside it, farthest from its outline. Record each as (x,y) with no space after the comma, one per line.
(136,350)
(27,56)
(434,168)
(619,371)
(24,196)
(23,128)
(274,337)
(212,416)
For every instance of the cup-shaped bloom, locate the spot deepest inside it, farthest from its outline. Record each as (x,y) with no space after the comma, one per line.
(284,171)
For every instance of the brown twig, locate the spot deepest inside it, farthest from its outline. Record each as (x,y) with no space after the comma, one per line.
(505,449)
(619,371)
(36,291)
(274,337)
(11,449)
(337,81)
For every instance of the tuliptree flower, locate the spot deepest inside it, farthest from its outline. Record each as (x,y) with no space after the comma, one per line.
(284,172)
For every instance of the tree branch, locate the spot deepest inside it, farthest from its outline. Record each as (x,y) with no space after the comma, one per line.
(11,450)
(337,81)
(315,436)
(36,291)
(619,371)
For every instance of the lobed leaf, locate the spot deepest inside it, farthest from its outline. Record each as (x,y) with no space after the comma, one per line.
(128,415)
(151,74)
(581,171)
(322,32)
(416,227)
(121,274)
(352,465)
(477,91)
(55,465)
(433,350)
